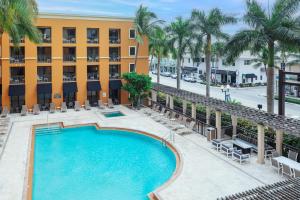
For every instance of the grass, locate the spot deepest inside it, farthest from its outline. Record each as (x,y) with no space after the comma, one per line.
(290,100)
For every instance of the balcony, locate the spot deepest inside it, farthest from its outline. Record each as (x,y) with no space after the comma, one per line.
(114,71)
(114,54)
(22,41)
(69,54)
(114,36)
(69,74)
(17,75)
(92,73)
(44,54)
(17,79)
(92,54)
(46,35)
(17,55)
(92,35)
(69,35)
(44,74)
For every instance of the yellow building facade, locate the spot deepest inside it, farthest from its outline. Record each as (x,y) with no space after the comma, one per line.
(80,58)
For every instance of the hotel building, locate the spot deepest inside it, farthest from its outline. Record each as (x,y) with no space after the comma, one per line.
(79,58)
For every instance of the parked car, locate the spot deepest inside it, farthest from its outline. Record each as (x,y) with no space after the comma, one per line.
(174,76)
(154,72)
(166,74)
(189,79)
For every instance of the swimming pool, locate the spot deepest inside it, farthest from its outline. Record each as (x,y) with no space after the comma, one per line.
(113,114)
(88,164)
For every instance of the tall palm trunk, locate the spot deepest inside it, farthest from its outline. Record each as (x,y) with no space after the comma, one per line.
(136,54)
(158,69)
(208,73)
(178,72)
(151,60)
(270,79)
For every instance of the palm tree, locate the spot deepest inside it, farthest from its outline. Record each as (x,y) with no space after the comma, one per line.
(158,43)
(265,29)
(210,25)
(17,19)
(144,22)
(182,40)
(218,49)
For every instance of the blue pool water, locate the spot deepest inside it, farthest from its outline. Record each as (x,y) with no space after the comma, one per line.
(89,164)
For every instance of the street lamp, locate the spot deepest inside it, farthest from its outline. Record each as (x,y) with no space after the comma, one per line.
(226,90)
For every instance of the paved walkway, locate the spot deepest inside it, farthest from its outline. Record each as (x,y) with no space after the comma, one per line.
(206,174)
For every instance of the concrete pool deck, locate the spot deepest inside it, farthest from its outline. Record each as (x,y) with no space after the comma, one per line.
(206,174)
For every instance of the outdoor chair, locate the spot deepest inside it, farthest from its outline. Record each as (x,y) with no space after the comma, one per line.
(100,104)
(187,130)
(159,114)
(275,154)
(110,103)
(216,144)
(275,164)
(63,107)
(238,155)
(226,149)
(161,118)
(286,170)
(87,105)
(36,109)
(4,112)
(296,173)
(52,108)
(24,110)
(293,155)
(77,106)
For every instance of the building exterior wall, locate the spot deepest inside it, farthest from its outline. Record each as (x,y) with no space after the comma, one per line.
(80,23)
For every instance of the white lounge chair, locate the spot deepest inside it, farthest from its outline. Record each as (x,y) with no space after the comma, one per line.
(87,105)
(110,103)
(77,106)
(52,108)
(187,130)
(36,109)
(24,110)
(63,107)
(100,104)
(4,112)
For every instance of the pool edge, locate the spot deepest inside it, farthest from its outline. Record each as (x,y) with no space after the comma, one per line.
(27,193)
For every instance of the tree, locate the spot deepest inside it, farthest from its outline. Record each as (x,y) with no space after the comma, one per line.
(17,19)
(210,25)
(138,87)
(182,40)
(158,43)
(265,29)
(218,49)
(144,22)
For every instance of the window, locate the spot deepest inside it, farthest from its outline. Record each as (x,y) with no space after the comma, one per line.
(93,35)
(132,67)
(69,35)
(45,34)
(17,75)
(44,54)
(247,62)
(92,54)
(131,33)
(202,60)
(114,71)
(261,77)
(189,60)
(69,54)
(132,51)
(114,36)
(69,73)
(92,72)
(43,74)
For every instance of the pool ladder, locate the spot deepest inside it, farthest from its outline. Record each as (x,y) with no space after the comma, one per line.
(48,130)
(168,138)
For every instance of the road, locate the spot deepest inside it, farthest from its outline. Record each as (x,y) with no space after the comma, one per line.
(247,96)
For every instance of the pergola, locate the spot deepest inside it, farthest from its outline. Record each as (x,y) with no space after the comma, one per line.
(263,119)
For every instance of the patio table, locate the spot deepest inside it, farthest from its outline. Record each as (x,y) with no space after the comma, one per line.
(291,163)
(240,145)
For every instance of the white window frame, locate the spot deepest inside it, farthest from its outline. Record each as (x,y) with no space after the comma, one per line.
(134,34)
(129,67)
(134,50)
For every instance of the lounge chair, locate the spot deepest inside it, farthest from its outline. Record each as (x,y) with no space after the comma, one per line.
(225,148)
(159,113)
(63,107)
(286,170)
(52,108)
(87,105)
(24,110)
(296,173)
(293,155)
(100,104)
(275,164)
(110,104)
(187,130)
(4,112)
(238,155)
(36,109)
(77,106)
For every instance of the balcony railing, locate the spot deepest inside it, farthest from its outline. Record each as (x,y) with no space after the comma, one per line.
(46,39)
(93,76)
(17,80)
(69,58)
(44,79)
(114,75)
(114,58)
(69,78)
(17,59)
(114,40)
(92,58)
(93,40)
(70,39)
(44,58)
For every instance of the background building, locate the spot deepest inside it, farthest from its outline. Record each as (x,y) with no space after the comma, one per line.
(80,57)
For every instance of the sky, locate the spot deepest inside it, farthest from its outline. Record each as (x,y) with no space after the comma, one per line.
(167,10)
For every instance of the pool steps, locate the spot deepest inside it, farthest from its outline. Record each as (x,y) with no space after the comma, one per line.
(48,130)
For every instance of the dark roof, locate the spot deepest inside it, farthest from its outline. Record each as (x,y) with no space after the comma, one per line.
(219,71)
(250,75)
(288,189)
(289,125)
